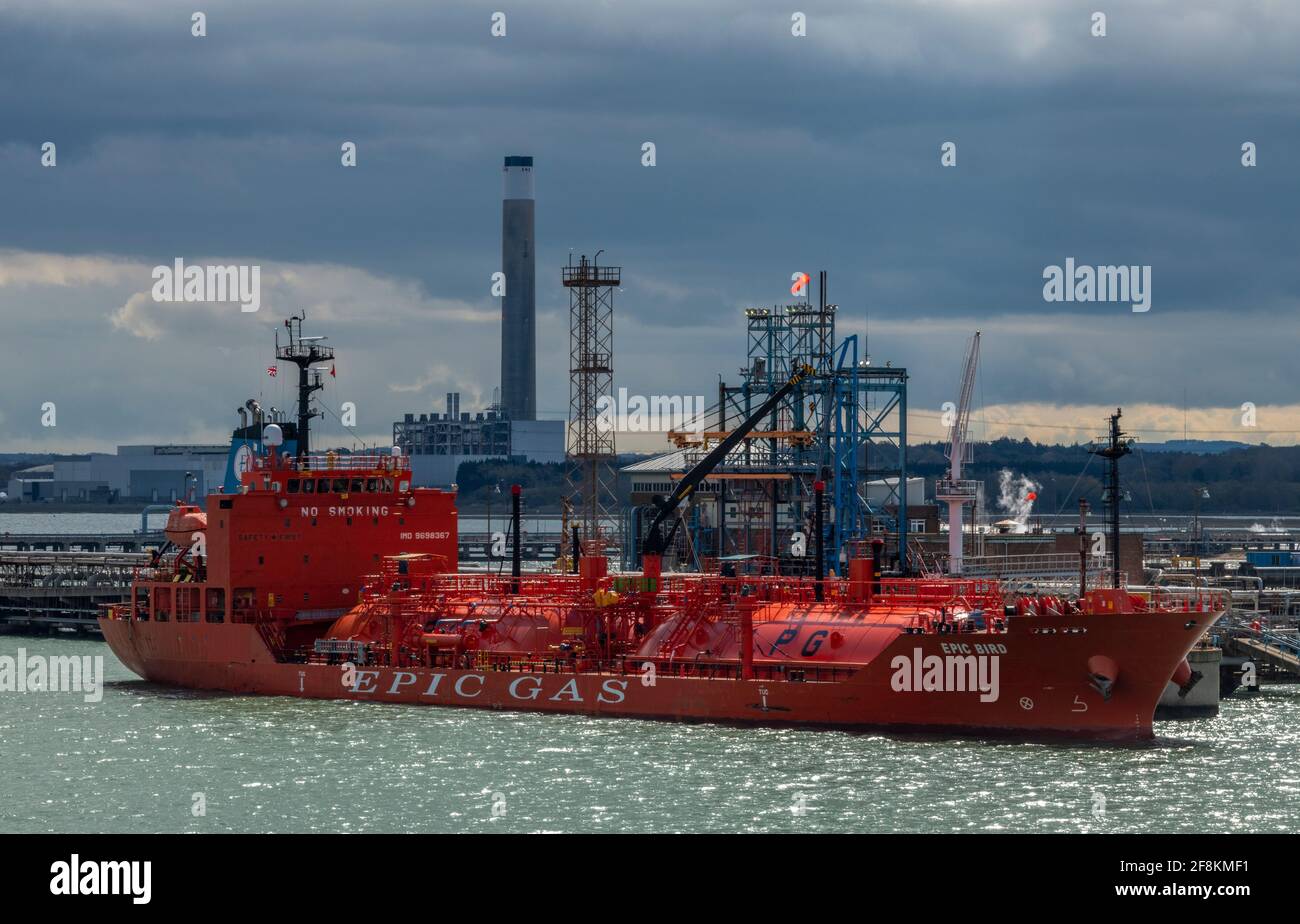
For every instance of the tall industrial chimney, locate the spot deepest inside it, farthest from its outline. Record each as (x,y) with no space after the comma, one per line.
(519,306)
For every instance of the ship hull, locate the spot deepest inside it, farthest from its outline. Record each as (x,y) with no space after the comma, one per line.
(1031,682)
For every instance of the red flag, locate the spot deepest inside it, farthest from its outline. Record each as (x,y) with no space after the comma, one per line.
(271,370)
(332,372)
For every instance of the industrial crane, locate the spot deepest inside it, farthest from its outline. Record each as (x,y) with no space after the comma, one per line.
(956,492)
(659,538)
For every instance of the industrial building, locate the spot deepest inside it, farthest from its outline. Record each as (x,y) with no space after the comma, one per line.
(438,443)
(157,474)
(487,433)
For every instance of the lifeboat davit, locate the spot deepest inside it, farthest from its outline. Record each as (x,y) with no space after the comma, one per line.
(183,521)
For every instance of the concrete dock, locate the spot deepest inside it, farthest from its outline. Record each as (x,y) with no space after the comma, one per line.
(1202,700)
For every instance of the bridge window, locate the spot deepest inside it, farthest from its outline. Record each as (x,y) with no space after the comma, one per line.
(340,485)
(356,485)
(372,485)
(322,485)
(308,486)
(293,486)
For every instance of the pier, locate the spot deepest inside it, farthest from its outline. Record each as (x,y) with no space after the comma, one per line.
(1278,652)
(80,542)
(43,590)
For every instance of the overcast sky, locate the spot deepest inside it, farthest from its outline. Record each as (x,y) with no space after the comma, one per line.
(775,154)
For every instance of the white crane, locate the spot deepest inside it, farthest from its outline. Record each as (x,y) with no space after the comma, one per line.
(953,490)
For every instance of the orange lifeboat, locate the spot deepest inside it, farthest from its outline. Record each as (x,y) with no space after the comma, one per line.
(183,521)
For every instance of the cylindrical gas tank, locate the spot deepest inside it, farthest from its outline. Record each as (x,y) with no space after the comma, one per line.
(825,633)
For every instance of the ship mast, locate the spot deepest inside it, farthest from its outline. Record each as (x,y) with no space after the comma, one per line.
(304,352)
(1117,448)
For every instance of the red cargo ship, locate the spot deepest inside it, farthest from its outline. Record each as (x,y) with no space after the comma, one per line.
(262,610)
(923,653)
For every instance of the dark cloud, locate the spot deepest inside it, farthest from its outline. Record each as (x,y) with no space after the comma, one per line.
(775,153)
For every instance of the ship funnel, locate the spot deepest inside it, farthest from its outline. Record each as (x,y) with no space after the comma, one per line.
(243,417)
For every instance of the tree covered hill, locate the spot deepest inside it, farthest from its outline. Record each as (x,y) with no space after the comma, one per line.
(1248,480)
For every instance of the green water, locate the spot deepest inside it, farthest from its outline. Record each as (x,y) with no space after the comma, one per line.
(133,762)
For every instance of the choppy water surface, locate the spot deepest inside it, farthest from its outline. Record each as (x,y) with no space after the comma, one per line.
(133,762)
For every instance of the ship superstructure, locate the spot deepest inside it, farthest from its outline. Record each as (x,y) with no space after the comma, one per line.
(283,548)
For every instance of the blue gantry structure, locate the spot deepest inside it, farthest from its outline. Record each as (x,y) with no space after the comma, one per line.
(845,425)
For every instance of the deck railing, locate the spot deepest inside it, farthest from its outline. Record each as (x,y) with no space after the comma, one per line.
(335,462)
